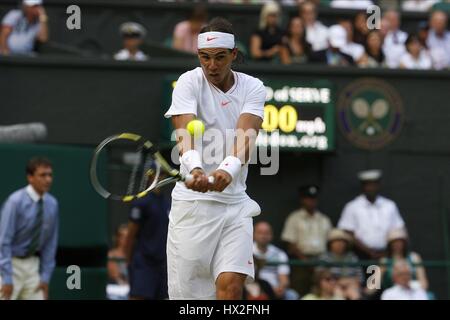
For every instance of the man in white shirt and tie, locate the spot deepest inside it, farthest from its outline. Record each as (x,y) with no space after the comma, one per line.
(370,217)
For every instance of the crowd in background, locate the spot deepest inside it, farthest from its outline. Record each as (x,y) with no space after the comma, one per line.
(301,39)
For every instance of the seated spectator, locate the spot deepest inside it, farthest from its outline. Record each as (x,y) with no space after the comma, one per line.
(276,275)
(295,48)
(423,29)
(117,266)
(305,232)
(351,4)
(418,5)
(258,289)
(403,288)
(439,40)
(266,42)
(186,32)
(339,251)
(133,35)
(333,56)
(361,31)
(324,287)
(316,32)
(374,51)
(353,49)
(398,250)
(416,56)
(21,28)
(394,41)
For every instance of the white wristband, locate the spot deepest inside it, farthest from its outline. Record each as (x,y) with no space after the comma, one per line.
(191,160)
(232,165)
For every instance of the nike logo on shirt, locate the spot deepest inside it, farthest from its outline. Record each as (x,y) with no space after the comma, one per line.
(224,103)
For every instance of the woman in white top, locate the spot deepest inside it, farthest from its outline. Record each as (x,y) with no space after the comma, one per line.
(416,57)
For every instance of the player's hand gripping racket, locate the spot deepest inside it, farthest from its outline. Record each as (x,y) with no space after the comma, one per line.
(139,168)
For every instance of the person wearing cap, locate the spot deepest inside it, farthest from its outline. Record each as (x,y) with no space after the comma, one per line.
(305,232)
(398,250)
(210,241)
(334,56)
(349,278)
(403,288)
(133,35)
(370,217)
(21,28)
(266,42)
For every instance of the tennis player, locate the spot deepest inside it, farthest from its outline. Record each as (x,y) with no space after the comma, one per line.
(209,246)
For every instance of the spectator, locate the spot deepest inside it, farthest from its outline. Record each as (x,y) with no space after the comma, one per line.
(416,56)
(118,287)
(133,35)
(295,48)
(422,32)
(29,236)
(361,31)
(370,217)
(305,232)
(316,32)
(266,42)
(146,247)
(186,32)
(351,4)
(394,42)
(339,251)
(439,40)
(418,5)
(398,250)
(21,28)
(333,56)
(355,50)
(403,289)
(258,288)
(374,51)
(276,275)
(324,287)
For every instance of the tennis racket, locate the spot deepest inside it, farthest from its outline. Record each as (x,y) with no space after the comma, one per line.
(134,166)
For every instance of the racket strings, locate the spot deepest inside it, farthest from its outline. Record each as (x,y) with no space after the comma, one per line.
(131,189)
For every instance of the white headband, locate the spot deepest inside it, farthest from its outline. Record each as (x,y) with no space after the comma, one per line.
(215,39)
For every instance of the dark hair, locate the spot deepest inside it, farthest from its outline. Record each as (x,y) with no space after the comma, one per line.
(199,13)
(412,37)
(381,57)
(405,251)
(304,43)
(219,24)
(36,162)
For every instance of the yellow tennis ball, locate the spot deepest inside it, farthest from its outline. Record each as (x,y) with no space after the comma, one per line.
(196,128)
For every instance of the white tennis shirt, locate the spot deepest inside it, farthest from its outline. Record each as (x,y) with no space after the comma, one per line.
(219,111)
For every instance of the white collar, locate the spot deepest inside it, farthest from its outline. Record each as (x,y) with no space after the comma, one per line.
(33,194)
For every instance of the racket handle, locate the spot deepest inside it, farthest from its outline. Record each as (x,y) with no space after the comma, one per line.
(189,177)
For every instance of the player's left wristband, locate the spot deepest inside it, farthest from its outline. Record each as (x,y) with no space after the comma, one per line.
(231,165)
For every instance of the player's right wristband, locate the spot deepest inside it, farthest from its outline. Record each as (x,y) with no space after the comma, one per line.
(232,165)
(191,160)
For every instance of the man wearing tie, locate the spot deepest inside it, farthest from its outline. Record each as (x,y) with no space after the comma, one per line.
(29,236)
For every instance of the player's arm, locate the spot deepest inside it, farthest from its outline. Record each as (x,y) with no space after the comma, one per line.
(5,31)
(185,143)
(246,132)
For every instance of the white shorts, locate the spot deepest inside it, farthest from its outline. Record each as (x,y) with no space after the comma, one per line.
(205,239)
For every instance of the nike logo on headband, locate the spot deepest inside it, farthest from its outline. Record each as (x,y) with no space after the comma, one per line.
(212,38)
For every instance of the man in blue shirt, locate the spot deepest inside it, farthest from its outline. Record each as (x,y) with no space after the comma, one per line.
(29,236)
(146,243)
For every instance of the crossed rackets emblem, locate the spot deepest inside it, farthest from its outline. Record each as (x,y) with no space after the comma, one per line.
(371,114)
